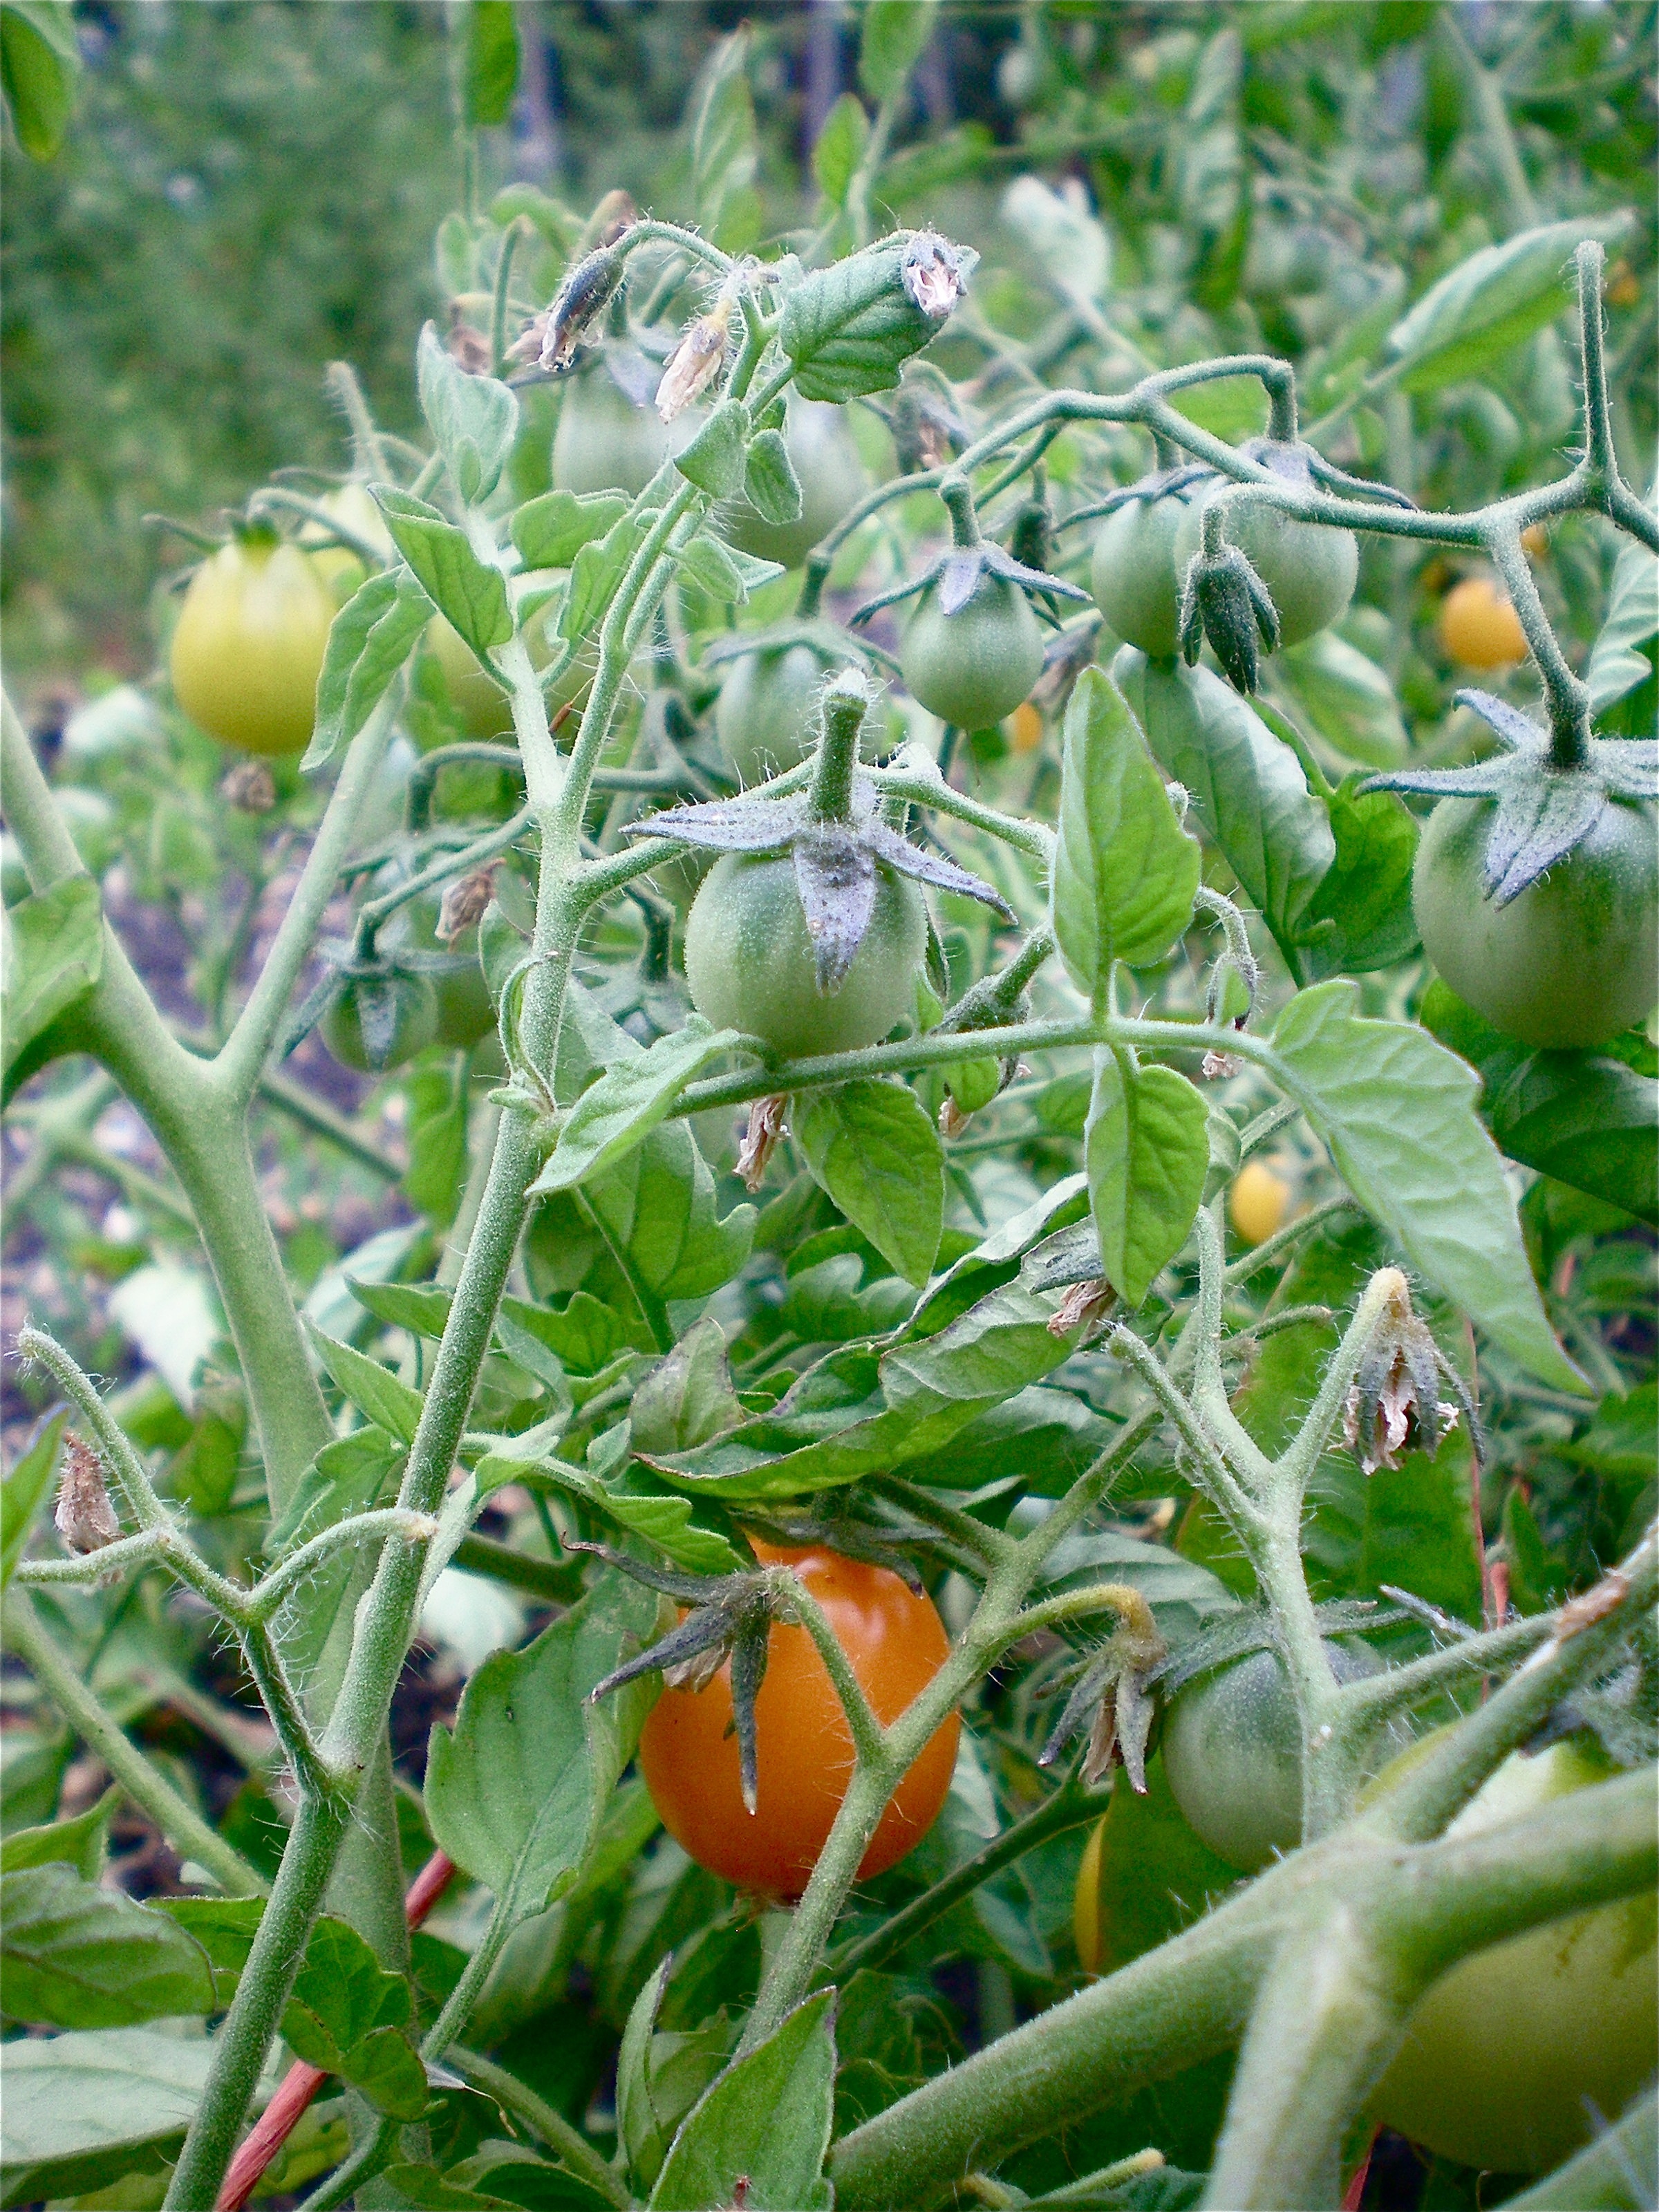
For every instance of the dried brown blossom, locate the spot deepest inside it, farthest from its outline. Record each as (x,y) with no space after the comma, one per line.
(465,901)
(582,298)
(1394,1404)
(250,788)
(84,1517)
(1086,1304)
(765,1127)
(468,349)
(1220,1067)
(696,361)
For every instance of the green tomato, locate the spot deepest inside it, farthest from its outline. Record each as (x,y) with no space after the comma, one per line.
(831,476)
(749,962)
(1309,570)
(604,443)
(1575,958)
(466,1011)
(1504,2055)
(415,1024)
(1132,572)
(1232,1750)
(973,666)
(767,715)
(249,645)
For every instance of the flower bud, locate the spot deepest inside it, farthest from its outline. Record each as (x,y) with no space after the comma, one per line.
(1225,600)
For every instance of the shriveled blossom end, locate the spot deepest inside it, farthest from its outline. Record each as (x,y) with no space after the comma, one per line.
(766,1128)
(934,275)
(582,298)
(696,361)
(1394,1404)
(84,1517)
(464,903)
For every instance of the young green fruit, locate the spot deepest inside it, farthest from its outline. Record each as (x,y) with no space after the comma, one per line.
(975,665)
(414,1026)
(766,715)
(604,443)
(752,965)
(1571,960)
(1521,2052)
(1132,572)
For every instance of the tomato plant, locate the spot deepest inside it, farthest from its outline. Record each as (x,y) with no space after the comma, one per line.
(895,1643)
(904,1189)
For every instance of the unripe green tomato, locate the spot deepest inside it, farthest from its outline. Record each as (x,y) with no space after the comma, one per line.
(767,715)
(1573,959)
(831,475)
(485,710)
(465,1012)
(249,645)
(973,666)
(1309,570)
(1132,572)
(604,443)
(1232,1750)
(414,1027)
(1523,2051)
(750,966)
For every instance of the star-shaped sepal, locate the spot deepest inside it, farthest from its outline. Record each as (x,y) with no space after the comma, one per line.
(1111,1695)
(1541,809)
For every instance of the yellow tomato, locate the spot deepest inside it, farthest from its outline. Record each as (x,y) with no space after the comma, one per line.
(1085,1902)
(1479,627)
(1025,727)
(249,645)
(1535,538)
(1257,1201)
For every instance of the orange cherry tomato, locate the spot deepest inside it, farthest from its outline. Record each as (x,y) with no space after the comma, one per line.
(689,1754)
(1025,727)
(1257,1201)
(1479,627)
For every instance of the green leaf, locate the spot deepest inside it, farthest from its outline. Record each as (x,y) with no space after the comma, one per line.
(890,43)
(516,1792)
(474,419)
(85,2110)
(79,1843)
(1248,789)
(615,1114)
(490,75)
(1183,1594)
(849,328)
(873,1146)
(1396,1112)
(1488,304)
(1622,660)
(377,1394)
(858,1410)
(369,641)
(472,596)
(723,148)
(1585,1118)
(687,1397)
(1410,1526)
(550,532)
(585,1334)
(667,1524)
(348,2016)
(595,573)
(841,142)
(714,460)
(766,2120)
(770,481)
(709,564)
(421,1308)
(346,1477)
(1125,872)
(39,65)
(423,2189)
(1342,694)
(1147,1149)
(54,954)
(73,1954)
(1367,895)
(25,1490)
(1157,1877)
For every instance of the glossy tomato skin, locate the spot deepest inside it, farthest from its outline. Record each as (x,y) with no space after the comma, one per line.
(896,1644)
(766,715)
(1232,1751)
(414,1027)
(973,666)
(750,962)
(249,645)
(1502,2052)
(1133,574)
(1257,1201)
(1309,570)
(1478,626)
(831,477)
(1570,962)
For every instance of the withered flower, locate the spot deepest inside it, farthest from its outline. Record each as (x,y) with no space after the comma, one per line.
(933,274)
(1111,1696)
(84,1517)
(468,349)
(696,361)
(1394,1403)
(464,901)
(249,787)
(582,298)
(1086,1304)
(766,1126)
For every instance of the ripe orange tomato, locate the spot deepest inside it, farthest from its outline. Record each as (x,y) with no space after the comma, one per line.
(1025,727)
(1257,1201)
(689,1754)
(1479,627)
